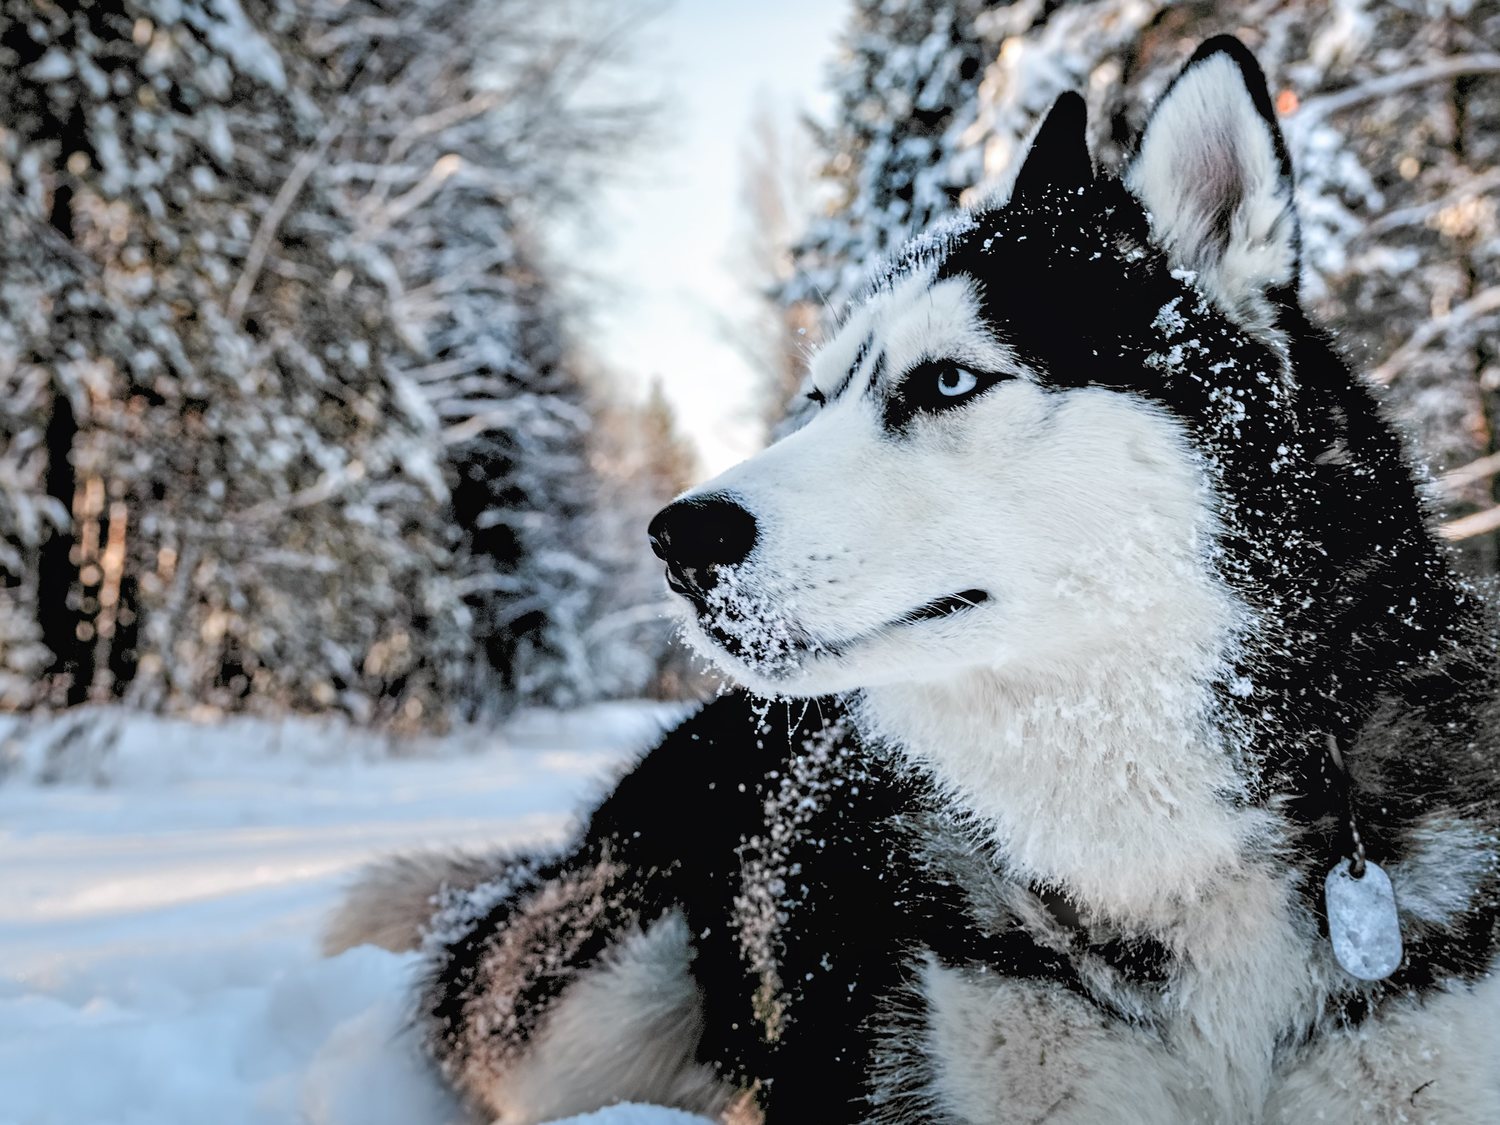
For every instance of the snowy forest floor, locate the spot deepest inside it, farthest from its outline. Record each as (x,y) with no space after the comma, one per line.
(160,910)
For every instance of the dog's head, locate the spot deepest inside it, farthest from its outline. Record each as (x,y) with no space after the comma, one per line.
(1019,454)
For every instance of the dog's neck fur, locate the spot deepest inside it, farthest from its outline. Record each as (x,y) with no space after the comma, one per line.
(1114,785)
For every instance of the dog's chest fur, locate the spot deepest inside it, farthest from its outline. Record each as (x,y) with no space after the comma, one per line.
(1113,832)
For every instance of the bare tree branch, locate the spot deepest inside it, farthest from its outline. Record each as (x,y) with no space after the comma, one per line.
(1467,527)
(1481,304)
(1456,480)
(1411,216)
(1316,108)
(270,223)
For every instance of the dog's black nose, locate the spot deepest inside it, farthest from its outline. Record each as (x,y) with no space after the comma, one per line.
(695,535)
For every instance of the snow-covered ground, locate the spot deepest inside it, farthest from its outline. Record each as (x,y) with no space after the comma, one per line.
(160,904)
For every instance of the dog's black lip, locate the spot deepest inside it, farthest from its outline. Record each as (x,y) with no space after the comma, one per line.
(726,640)
(678,588)
(944,607)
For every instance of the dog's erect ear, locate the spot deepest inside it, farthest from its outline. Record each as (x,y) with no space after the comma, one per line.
(1213,171)
(1059,152)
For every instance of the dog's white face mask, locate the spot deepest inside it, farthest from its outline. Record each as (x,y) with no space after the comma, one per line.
(943,510)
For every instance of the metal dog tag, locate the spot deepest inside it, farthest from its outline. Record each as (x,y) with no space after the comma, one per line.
(1362,922)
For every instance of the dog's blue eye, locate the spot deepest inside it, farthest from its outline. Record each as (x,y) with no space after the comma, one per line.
(954,382)
(933,387)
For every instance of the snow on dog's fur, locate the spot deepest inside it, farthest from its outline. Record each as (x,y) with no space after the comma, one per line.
(1092,567)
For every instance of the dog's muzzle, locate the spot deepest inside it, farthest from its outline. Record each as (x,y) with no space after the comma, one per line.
(698,537)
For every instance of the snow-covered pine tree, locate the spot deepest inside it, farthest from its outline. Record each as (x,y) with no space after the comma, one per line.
(906,85)
(256,511)
(480,133)
(299,424)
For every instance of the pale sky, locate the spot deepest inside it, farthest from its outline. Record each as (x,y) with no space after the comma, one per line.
(676,216)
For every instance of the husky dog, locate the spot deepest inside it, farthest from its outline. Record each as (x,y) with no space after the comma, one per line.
(1136,759)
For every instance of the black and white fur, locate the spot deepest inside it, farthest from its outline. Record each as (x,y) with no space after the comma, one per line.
(1092,550)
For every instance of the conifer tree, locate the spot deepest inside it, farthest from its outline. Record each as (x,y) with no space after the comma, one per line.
(898,154)
(475,141)
(289,418)
(255,510)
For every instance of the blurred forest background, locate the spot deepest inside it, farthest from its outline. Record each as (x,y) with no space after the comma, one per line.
(296,414)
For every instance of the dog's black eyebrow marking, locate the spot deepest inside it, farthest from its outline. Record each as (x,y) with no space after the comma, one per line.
(876,371)
(859,359)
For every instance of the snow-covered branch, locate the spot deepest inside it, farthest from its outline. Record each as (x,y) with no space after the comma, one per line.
(270,223)
(1372,89)
(1483,303)
(1456,480)
(1421,213)
(1469,527)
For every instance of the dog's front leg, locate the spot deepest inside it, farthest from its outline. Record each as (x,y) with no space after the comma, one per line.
(1433,1060)
(570,1000)
(1007,1051)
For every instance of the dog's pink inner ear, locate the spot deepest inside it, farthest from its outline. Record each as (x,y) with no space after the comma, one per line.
(1213,172)
(1059,152)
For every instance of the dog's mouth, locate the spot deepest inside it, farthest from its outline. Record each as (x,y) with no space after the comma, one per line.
(948,606)
(944,607)
(777,646)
